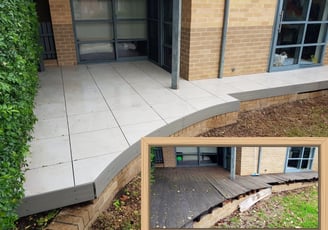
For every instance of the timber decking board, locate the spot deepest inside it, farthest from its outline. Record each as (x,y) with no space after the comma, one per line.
(227,187)
(181,195)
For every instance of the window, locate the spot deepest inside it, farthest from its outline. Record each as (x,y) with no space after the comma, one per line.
(197,156)
(299,159)
(110,29)
(158,155)
(301,32)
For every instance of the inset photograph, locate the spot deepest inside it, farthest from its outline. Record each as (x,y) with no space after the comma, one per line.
(234,186)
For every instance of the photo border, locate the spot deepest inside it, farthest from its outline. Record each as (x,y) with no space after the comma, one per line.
(147,142)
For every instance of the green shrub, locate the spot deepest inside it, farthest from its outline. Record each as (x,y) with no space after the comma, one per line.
(19,53)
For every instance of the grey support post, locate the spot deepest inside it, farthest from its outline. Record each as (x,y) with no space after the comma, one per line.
(176,37)
(233,164)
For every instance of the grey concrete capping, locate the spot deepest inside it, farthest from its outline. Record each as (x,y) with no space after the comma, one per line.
(133,151)
(280,91)
(56,199)
(115,167)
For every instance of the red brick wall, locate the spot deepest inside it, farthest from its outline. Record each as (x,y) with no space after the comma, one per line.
(63,31)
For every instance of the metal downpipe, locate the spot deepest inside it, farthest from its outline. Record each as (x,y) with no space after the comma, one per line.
(224,36)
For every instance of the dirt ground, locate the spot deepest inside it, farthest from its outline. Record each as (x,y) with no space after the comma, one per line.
(302,118)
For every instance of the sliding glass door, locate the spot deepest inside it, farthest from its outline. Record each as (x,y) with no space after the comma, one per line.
(300,35)
(110,29)
(160,32)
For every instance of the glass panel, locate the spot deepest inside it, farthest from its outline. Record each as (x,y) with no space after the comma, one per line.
(295,10)
(208,155)
(317,12)
(304,164)
(311,55)
(131,9)
(315,33)
(189,160)
(312,33)
(293,163)
(188,150)
(96,51)
(92,9)
(132,49)
(153,40)
(306,153)
(168,13)
(167,34)
(286,56)
(295,152)
(94,31)
(168,58)
(153,9)
(290,34)
(131,30)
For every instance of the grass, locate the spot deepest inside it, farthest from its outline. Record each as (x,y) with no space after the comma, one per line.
(292,209)
(317,128)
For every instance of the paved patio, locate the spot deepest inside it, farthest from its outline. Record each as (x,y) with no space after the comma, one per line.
(91,118)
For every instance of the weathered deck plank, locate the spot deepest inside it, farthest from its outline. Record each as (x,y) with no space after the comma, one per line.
(181,195)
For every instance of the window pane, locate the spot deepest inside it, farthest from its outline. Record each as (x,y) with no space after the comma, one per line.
(187,150)
(293,163)
(131,30)
(311,55)
(315,33)
(208,156)
(153,40)
(306,153)
(132,49)
(295,152)
(304,164)
(94,31)
(153,9)
(131,9)
(168,10)
(96,51)
(286,56)
(168,58)
(317,10)
(92,9)
(290,34)
(295,10)
(167,34)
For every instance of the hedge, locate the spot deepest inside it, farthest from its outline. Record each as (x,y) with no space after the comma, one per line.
(19,54)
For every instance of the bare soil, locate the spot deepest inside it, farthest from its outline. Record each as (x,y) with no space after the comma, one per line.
(301,118)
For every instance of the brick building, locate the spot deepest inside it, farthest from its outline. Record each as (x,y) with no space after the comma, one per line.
(219,38)
(249,160)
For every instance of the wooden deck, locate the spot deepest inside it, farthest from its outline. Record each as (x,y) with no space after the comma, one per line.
(180,196)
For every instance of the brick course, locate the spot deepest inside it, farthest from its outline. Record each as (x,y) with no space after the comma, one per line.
(63,32)
(201,29)
(325,60)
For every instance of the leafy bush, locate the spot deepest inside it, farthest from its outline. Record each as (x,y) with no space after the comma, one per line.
(19,52)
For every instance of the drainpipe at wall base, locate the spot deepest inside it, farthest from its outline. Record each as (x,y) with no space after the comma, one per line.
(224,36)
(176,37)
